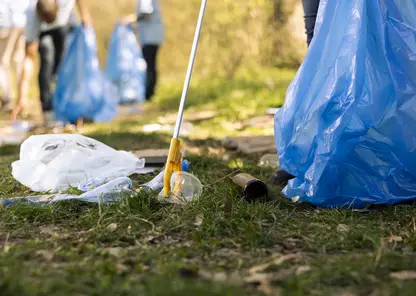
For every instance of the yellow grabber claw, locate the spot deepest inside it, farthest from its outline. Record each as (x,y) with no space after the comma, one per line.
(173,164)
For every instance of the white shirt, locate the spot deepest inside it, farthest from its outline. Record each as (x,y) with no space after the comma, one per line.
(13,13)
(34,25)
(151,29)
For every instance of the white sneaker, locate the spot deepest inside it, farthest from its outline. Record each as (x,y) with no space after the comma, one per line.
(22,126)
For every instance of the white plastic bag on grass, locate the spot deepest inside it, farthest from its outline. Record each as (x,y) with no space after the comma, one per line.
(55,162)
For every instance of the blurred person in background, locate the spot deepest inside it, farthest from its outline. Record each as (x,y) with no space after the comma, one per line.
(47,27)
(310,8)
(52,45)
(12,23)
(151,36)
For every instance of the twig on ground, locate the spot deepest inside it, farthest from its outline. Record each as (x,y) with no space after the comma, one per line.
(223,178)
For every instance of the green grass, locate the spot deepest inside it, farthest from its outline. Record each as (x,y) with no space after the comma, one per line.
(143,247)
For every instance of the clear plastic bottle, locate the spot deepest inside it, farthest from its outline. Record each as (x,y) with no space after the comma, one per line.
(106,193)
(34,200)
(109,192)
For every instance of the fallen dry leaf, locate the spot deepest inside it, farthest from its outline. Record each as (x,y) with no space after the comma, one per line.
(343,228)
(275,261)
(302,269)
(49,230)
(48,255)
(198,220)
(112,226)
(148,239)
(405,275)
(86,231)
(257,275)
(394,238)
(263,283)
(296,198)
(116,252)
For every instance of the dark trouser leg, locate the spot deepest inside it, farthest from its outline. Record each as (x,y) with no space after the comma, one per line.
(51,49)
(47,57)
(310,8)
(59,39)
(150,55)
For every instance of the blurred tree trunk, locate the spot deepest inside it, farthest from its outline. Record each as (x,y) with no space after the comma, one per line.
(289,44)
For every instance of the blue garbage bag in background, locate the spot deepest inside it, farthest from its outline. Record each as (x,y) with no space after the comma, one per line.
(82,90)
(125,65)
(347,129)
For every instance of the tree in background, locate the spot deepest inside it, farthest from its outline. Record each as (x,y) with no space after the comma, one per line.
(235,33)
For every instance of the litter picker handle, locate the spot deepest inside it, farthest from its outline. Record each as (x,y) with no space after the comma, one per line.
(173,163)
(190,68)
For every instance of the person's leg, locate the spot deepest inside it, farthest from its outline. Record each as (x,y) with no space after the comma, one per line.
(47,58)
(59,38)
(150,56)
(4,68)
(18,55)
(310,8)
(4,83)
(8,40)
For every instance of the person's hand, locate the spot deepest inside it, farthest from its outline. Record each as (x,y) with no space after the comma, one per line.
(128,19)
(84,13)
(122,21)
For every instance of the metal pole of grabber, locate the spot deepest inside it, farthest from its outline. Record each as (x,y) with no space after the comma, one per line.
(173,163)
(176,132)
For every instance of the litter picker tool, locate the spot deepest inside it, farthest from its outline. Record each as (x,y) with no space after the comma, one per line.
(173,163)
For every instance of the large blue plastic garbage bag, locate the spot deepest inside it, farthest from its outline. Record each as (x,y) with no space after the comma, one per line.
(82,90)
(347,129)
(125,65)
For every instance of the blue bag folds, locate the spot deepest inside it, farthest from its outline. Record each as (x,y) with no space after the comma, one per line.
(82,90)
(347,129)
(125,65)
